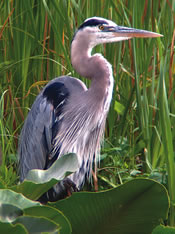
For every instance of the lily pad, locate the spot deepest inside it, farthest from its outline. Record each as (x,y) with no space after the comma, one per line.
(40,181)
(137,206)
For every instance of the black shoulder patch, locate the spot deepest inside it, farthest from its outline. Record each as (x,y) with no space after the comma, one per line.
(55,93)
(92,22)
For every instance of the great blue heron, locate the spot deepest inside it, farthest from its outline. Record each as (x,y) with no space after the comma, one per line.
(66,116)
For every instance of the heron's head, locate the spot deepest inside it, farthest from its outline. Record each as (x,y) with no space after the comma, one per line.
(98,30)
(94,31)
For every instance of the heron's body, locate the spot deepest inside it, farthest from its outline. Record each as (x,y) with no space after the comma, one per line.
(66,116)
(54,133)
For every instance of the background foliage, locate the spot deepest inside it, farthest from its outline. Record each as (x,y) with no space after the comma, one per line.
(35,39)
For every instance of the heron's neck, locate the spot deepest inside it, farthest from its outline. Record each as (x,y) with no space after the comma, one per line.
(96,68)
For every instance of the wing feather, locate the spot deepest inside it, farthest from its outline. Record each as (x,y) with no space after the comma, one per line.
(40,127)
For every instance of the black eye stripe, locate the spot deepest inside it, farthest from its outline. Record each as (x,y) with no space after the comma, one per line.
(92,23)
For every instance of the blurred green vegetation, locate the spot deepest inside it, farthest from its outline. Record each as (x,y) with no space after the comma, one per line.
(35,39)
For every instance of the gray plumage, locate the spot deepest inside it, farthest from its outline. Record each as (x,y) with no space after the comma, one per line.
(66,116)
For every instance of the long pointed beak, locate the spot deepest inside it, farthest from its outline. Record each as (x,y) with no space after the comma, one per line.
(128,33)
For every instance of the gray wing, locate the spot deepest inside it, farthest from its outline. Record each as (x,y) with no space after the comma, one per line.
(42,125)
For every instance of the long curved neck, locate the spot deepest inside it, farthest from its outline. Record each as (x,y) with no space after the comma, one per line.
(96,67)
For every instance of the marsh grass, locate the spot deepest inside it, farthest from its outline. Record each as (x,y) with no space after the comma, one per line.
(35,38)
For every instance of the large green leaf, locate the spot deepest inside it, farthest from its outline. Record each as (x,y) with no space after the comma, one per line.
(37,224)
(10,228)
(52,214)
(32,190)
(62,167)
(163,230)
(134,207)
(15,199)
(40,181)
(32,216)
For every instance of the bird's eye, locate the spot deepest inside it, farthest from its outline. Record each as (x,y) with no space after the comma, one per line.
(101,27)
